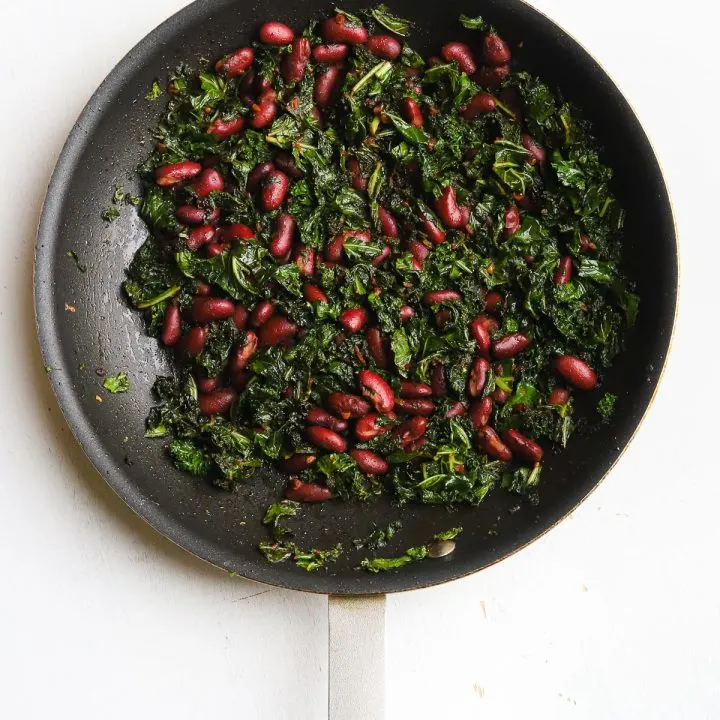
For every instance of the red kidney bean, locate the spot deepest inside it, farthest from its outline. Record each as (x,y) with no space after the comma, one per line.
(200,236)
(559,396)
(357,180)
(536,153)
(435,297)
(240,317)
(493,302)
(586,245)
(286,162)
(456,410)
(275,188)
(295,62)
(418,250)
(191,215)
(406,312)
(296,463)
(510,345)
(172,325)
(276,33)
(495,50)
(236,63)
(354,319)
(385,253)
(417,266)
(326,85)
(414,390)
(378,347)
(564,272)
(461,54)
(207,384)
(318,416)
(411,429)
(433,231)
(312,293)
(491,77)
(330,53)
(367,428)
(512,221)
(265,110)
(388,224)
(257,175)
(340,29)
(500,396)
(247,87)
(237,231)
(384,46)
(225,128)
(307,492)
(209,180)
(217,402)
(276,330)
(492,445)
(243,353)
(202,288)
(480,104)
(442,318)
(448,209)
(262,312)
(305,260)
(168,175)
(464,216)
(478,376)
(438,382)
(209,309)
(334,249)
(369,462)
(414,406)
(414,445)
(411,113)
(347,406)
(239,380)
(325,438)
(376,390)
(480,412)
(282,239)
(576,371)
(194,341)
(523,446)
(481,335)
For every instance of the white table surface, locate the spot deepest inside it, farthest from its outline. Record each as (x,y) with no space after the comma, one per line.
(614,614)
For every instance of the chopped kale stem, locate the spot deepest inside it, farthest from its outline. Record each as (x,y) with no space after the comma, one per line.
(454,238)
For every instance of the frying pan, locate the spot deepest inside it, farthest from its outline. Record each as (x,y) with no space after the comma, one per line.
(106,144)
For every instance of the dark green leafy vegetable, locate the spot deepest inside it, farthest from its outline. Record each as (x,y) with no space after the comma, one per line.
(606,405)
(117,383)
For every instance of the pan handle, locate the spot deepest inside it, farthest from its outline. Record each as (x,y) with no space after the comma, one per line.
(356,683)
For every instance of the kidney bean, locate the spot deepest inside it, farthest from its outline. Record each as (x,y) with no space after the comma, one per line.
(297,462)
(206,384)
(493,302)
(461,54)
(354,319)
(194,341)
(481,334)
(202,288)
(240,317)
(325,438)
(318,416)
(436,297)
(417,266)
(388,224)
(478,376)
(237,231)
(384,46)
(217,402)
(282,239)
(329,54)
(500,396)
(357,180)
(265,110)
(327,83)
(448,209)
(536,153)
(523,446)
(385,253)
(411,113)
(225,128)
(275,187)
(442,318)
(307,492)
(495,50)
(433,231)
(276,33)
(236,63)
(406,312)
(576,371)
(418,250)
(168,175)
(378,347)
(340,29)
(286,162)
(456,410)
(369,462)
(334,249)
(414,390)
(414,406)
(172,325)
(347,406)
(559,396)
(512,221)
(491,77)
(243,353)
(295,62)
(564,272)
(257,175)
(209,309)
(586,245)
(438,382)
(492,445)
(276,330)
(191,215)
(304,257)
(376,390)
(510,345)
(312,293)
(480,412)
(480,104)
(262,312)
(367,428)
(411,429)
(199,236)
(209,180)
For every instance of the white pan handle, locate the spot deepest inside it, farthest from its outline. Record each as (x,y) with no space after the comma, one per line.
(356,683)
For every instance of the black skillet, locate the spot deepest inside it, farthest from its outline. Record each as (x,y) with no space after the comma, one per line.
(109,140)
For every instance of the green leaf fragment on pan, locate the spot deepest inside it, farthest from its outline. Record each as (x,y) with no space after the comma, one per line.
(476,23)
(110,214)
(450,534)
(411,555)
(73,255)
(155,91)
(119,383)
(606,405)
(398,25)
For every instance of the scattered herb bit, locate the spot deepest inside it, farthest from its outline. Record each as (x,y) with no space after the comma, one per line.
(155,91)
(606,405)
(117,384)
(450,534)
(305,559)
(110,214)
(379,537)
(48,369)
(73,255)
(413,554)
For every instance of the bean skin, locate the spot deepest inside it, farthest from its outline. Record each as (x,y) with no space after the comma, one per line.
(312,293)
(236,63)
(286,162)
(414,390)
(329,54)
(384,46)
(209,180)
(512,221)
(436,297)
(412,446)
(347,406)
(367,428)
(559,396)
(481,334)
(433,231)
(493,302)
(414,406)
(411,113)
(376,390)
(418,250)
(492,445)
(172,325)
(295,62)
(278,329)
(243,353)
(406,312)
(194,341)
(339,29)
(225,128)
(214,249)
(354,319)
(438,383)
(448,209)
(378,347)
(564,272)
(586,245)
(191,215)
(500,396)
(240,317)
(495,50)
(210,309)
(357,179)
(257,174)
(276,33)
(369,462)
(442,318)
(480,412)
(411,429)
(200,236)
(282,239)
(461,54)
(510,345)
(307,492)
(385,253)
(296,463)
(478,376)
(237,231)
(168,175)
(456,410)
(523,446)
(491,77)
(261,313)
(305,260)
(217,402)
(202,288)
(334,249)
(388,224)
(536,153)
(326,439)
(326,85)
(576,371)
(275,188)
(264,111)
(318,416)
(480,104)
(206,384)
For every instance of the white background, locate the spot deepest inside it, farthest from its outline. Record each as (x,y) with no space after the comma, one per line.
(614,614)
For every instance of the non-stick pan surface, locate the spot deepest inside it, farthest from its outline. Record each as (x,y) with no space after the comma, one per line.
(109,140)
